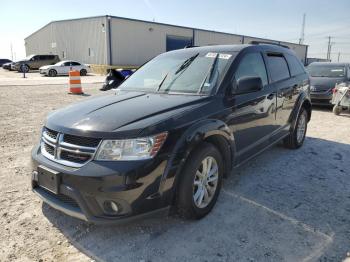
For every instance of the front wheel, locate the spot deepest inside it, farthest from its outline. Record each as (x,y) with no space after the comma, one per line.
(200,182)
(52,73)
(337,110)
(24,68)
(297,136)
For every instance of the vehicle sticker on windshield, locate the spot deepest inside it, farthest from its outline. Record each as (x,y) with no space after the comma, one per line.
(221,56)
(211,55)
(225,56)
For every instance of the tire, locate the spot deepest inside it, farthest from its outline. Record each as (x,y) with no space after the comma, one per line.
(337,110)
(24,68)
(83,72)
(191,187)
(293,140)
(52,73)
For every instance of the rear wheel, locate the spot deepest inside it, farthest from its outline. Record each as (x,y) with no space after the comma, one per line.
(297,136)
(52,73)
(200,183)
(83,72)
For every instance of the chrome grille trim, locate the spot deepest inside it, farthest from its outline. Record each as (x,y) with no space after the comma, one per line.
(60,146)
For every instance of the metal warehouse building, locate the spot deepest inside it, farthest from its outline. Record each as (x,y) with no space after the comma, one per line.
(110,40)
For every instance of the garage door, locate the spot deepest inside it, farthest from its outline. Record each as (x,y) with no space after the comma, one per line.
(174,42)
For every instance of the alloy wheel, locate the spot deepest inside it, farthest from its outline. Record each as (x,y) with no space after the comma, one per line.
(301,128)
(205,182)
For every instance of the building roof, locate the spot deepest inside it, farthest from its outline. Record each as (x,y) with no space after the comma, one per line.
(157,23)
(329,63)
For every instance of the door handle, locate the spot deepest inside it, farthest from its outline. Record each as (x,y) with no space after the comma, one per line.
(270,96)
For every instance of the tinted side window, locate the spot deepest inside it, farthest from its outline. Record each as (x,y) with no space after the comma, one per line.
(278,67)
(75,64)
(66,64)
(295,66)
(252,65)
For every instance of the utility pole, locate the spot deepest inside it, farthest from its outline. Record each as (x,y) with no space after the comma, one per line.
(11,52)
(302,34)
(338,56)
(329,48)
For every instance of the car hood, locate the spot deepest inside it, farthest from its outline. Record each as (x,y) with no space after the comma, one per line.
(325,83)
(45,67)
(121,114)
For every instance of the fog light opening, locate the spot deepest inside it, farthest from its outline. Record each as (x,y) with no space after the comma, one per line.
(111,207)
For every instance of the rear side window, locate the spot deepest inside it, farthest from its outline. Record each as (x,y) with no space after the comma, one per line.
(75,64)
(295,67)
(278,67)
(252,65)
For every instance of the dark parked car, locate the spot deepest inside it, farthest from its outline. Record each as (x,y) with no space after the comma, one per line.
(4,61)
(7,65)
(171,132)
(323,78)
(114,78)
(35,62)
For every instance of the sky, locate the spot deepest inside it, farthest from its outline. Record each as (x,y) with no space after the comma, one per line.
(273,19)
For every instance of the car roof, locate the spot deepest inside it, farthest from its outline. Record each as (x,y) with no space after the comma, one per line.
(237,48)
(63,61)
(329,63)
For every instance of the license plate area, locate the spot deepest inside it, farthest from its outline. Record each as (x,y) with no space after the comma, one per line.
(48,179)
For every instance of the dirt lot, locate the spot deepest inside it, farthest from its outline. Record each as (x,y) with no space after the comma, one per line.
(282,206)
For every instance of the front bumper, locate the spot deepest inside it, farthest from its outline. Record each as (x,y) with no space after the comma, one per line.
(84,191)
(43,71)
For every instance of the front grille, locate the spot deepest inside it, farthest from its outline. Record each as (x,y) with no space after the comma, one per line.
(69,150)
(74,157)
(51,133)
(63,198)
(81,141)
(49,149)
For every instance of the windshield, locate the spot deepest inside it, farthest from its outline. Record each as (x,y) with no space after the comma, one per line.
(179,72)
(326,71)
(29,57)
(60,63)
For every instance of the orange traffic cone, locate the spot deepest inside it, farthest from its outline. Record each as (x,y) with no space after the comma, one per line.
(75,83)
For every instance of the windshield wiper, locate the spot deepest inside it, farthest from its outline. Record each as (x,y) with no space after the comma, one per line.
(181,68)
(210,73)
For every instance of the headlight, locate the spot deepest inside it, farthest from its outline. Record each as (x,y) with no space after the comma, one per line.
(130,149)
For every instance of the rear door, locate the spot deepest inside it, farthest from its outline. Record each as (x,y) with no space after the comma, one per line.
(286,87)
(252,118)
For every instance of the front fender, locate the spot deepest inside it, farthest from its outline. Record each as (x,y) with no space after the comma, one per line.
(189,140)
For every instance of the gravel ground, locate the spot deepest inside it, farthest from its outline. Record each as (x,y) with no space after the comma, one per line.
(284,205)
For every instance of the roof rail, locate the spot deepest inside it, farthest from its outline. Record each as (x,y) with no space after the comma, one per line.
(190,46)
(267,43)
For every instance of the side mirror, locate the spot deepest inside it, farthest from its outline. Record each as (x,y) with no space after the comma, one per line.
(248,84)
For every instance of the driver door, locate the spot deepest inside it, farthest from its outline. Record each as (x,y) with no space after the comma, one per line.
(252,116)
(64,69)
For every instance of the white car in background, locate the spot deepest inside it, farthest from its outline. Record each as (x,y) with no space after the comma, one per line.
(63,68)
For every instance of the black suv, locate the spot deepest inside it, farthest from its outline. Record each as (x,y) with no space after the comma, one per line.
(324,77)
(169,134)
